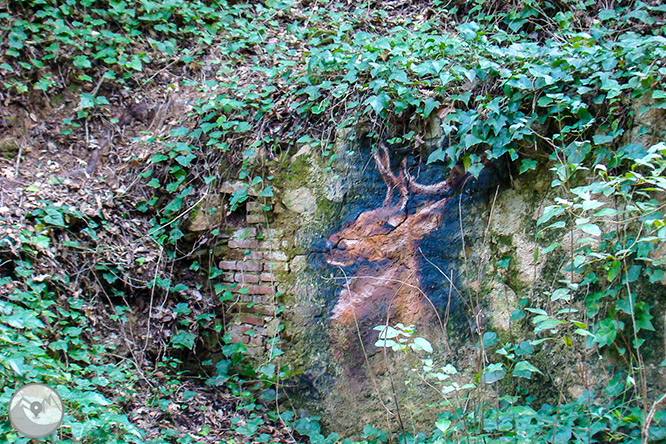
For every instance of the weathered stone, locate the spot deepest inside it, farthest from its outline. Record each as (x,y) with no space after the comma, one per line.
(244,243)
(305,150)
(255,207)
(300,200)
(207,215)
(270,233)
(272,327)
(502,300)
(255,218)
(232,187)
(298,263)
(275,256)
(276,266)
(244,233)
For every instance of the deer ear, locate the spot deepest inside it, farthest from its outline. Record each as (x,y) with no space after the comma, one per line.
(428,218)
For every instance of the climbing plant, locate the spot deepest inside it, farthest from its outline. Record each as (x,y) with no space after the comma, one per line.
(574,87)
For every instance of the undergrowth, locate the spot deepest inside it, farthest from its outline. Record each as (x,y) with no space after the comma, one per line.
(576,86)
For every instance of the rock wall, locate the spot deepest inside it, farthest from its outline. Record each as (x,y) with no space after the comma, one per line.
(365,241)
(345,248)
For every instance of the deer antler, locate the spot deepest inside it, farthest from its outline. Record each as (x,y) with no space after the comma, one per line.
(383,162)
(405,182)
(445,187)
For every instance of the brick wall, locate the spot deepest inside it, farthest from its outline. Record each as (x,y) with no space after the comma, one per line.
(252,262)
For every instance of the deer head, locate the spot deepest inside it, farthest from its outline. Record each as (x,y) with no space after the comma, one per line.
(386,240)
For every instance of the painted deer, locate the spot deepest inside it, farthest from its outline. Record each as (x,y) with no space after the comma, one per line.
(384,244)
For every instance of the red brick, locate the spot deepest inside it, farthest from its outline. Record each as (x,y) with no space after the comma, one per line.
(235,339)
(228,265)
(255,256)
(242,329)
(252,320)
(237,333)
(244,243)
(261,289)
(248,266)
(246,278)
(267,277)
(261,309)
(256,290)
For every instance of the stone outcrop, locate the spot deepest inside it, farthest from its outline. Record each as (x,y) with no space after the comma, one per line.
(344,247)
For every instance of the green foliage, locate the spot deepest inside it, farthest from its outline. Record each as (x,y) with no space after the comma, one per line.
(562,81)
(44,338)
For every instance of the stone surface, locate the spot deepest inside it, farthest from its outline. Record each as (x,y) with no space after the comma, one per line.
(208,215)
(344,258)
(300,200)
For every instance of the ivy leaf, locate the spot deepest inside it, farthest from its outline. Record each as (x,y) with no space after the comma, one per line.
(422,344)
(86,101)
(527,165)
(135,63)
(378,102)
(590,229)
(179,131)
(547,324)
(643,316)
(524,369)
(438,154)
(186,159)
(468,30)
(550,212)
(613,270)
(267,192)
(443,424)
(174,205)
(54,217)
(82,62)
(429,105)
(493,373)
(659,94)
(183,339)
(158,158)
(600,139)
(470,140)
(607,14)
